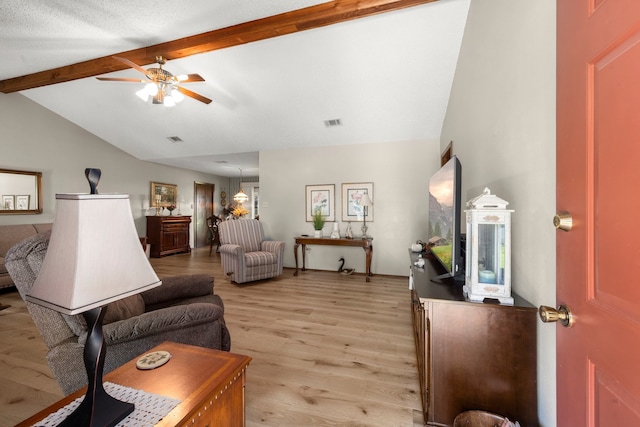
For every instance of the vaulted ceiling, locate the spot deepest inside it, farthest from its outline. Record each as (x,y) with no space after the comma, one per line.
(277,72)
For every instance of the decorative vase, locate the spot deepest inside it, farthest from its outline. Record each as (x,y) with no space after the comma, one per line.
(349,233)
(317,233)
(335,234)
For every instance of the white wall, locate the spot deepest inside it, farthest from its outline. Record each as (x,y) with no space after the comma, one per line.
(35,139)
(399,171)
(501,119)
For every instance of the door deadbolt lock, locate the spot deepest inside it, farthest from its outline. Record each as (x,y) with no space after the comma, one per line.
(563,221)
(562,315)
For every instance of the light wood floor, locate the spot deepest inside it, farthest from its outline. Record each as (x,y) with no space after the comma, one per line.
(327,349)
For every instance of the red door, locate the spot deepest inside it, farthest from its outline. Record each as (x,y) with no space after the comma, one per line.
(598,183)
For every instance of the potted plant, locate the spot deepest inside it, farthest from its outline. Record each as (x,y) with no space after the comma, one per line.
(318,223)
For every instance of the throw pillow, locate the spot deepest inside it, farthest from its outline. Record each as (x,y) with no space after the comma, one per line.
(124,309)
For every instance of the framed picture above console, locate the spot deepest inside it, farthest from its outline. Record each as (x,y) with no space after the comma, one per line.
(352,209)
(322,198)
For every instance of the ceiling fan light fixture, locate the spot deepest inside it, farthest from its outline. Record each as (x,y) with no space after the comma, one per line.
(151,88)
(159,97)
(176,95)
(168,101)
(143,94)
(162,83)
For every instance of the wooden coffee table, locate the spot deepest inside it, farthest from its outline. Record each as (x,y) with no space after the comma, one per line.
(208,383)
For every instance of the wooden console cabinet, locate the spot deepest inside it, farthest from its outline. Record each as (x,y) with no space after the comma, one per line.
(168,235)
(472,355)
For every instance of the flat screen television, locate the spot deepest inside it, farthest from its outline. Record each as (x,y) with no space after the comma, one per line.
(444,217)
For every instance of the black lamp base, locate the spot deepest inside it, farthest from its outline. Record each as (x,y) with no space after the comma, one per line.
(106,411)
(98,409)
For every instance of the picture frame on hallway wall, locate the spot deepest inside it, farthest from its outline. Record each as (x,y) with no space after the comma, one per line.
(351,195)
(321,197)
(163,195)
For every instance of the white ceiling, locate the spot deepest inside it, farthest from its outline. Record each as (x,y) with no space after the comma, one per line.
(387,77)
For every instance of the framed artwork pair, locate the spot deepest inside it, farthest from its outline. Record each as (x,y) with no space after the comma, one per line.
(17,203)
(322,198)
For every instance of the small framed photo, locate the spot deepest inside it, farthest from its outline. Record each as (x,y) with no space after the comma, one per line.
(321,197)
(8,203)
(351,208)
(163,194)
(22,203)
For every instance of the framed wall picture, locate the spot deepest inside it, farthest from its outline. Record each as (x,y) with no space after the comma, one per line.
(22,203)
(321,197)
(163,194)
(8,203)
(351,195)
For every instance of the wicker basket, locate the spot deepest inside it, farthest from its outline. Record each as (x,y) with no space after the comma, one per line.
(478,419)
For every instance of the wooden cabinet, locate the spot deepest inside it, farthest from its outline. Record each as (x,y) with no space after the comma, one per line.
(472,355)
(168,235)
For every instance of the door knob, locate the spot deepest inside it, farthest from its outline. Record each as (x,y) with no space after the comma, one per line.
(562,314)
(563,221)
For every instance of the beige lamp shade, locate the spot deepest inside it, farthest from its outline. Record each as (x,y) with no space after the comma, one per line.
(365,200)
(94,255)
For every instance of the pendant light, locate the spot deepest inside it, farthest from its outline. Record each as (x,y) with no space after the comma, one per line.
(240,197)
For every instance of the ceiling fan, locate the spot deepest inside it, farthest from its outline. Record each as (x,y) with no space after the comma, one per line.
(162,86)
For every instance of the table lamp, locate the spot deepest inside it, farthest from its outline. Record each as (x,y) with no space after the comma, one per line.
(94,257)
(365,202)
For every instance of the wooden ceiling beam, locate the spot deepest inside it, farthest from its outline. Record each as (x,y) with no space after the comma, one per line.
(286,23)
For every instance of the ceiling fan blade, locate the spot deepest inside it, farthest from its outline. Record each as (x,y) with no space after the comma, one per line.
(131,64)
(117,79)
(194,95)
(188,78)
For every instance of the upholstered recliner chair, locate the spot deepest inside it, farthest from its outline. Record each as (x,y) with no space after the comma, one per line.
(244,253)
(183,309)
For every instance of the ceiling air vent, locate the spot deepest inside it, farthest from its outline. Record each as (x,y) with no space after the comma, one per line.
(333,122)
(174,138)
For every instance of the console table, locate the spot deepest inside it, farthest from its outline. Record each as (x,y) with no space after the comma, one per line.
(471,355)
(366,244)
(209,384)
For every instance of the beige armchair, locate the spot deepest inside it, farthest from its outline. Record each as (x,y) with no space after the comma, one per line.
(244,253)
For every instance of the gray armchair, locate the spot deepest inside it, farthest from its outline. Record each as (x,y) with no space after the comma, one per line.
(244,253)
(183,309)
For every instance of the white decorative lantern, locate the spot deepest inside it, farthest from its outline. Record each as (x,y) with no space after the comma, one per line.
(488,257)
